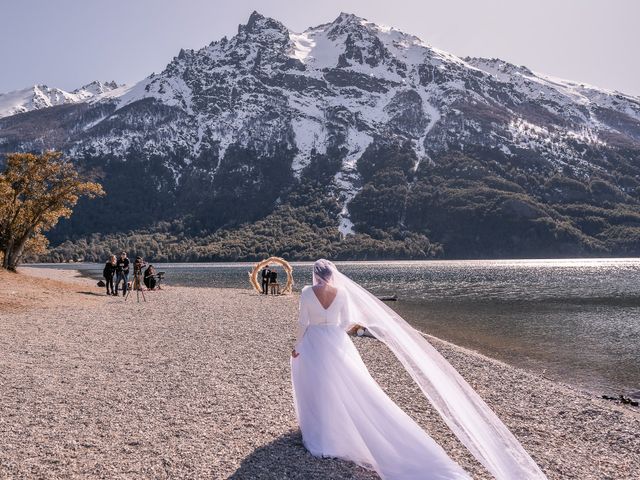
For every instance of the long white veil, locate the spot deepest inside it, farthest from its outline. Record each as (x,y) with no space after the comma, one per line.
(466,414)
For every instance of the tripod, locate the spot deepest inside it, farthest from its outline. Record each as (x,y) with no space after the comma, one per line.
(136,285)
(159,277)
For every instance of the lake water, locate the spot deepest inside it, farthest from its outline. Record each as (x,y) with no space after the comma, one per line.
(578,321)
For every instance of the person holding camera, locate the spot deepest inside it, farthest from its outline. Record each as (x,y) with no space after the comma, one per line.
(138,279)
(138,265)
(122,273)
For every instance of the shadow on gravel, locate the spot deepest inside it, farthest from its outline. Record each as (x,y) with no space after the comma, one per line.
(286,457)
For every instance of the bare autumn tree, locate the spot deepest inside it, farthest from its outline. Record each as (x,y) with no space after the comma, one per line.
(35,192)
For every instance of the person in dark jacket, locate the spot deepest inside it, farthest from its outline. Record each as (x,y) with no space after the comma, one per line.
(266,275)
(273,281)
(108,273)
(122,273)
(150,277)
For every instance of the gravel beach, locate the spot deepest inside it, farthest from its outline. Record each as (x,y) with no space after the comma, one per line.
(195,383)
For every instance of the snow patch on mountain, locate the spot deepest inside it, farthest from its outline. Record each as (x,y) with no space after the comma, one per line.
(347,179)
(169,90)
(310,136)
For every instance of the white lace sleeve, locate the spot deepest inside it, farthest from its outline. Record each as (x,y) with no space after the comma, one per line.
(303,319)
(347,320)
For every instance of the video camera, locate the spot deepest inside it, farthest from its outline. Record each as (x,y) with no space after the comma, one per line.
(138,265)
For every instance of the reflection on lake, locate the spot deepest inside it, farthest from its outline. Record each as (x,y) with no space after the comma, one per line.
(576,319)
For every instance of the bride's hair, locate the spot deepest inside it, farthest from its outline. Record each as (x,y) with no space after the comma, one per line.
(323,272)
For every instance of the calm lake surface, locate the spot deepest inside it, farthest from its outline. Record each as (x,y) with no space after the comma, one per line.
(578,321)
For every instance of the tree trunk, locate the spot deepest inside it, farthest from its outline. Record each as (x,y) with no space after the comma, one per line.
(10,262)
(7,255)
(13,255)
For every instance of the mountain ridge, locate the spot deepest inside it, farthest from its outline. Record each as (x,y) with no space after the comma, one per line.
(41,96)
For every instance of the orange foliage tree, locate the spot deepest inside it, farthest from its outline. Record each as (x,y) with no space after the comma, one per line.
(35,192)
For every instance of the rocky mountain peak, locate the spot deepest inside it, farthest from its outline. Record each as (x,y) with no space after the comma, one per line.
(348,18)
(258,24)
(97,87)
(346,24)
(261,39)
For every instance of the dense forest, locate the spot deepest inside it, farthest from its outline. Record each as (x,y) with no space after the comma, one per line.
(463,205)
(295,231)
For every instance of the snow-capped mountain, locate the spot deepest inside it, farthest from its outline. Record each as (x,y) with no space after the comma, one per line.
(245,121)
(42,96)
(95,89)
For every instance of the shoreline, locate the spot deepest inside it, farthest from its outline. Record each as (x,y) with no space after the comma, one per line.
(193,383)
(378,261)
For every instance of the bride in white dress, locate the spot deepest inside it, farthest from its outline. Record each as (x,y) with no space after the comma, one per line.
(344,413)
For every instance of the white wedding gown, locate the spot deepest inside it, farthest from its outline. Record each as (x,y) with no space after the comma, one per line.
(344,413)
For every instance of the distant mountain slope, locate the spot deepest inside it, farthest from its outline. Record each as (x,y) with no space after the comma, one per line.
(41,96)
(481,156)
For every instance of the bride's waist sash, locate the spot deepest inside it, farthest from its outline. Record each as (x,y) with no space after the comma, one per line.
(325,325)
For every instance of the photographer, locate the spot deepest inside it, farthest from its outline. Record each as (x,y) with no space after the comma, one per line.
(138,265)
(150,277)
(122,273)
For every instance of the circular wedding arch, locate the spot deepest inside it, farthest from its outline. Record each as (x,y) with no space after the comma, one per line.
(288,269)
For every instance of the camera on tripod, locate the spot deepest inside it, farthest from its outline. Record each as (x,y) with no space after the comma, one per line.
(138,265)
(137,283)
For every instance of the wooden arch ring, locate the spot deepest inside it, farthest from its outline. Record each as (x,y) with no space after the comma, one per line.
(253,275)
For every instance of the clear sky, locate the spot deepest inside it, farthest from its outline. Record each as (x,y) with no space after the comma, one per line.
(67,43)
